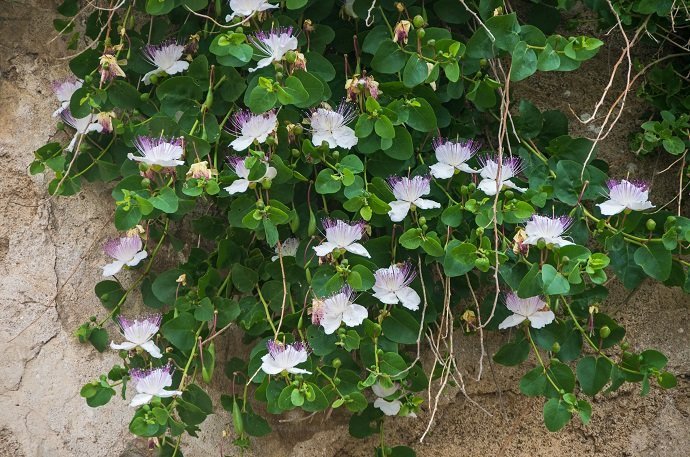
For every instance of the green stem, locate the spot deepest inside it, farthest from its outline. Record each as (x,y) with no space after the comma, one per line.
(268,312)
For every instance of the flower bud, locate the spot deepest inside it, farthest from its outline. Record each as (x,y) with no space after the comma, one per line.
(88,79)
(555,347)
(422,220)
(471,187)
(418,21)
(605,331)
(144,97)
(651,224)
(290,57)
(421,33)
(146,182)
(480,231)
(337,363)
(509,194)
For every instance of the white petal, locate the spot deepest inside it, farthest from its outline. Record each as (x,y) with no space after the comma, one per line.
(177,67)
(330,323)
(466,168)
(640,206)
(511,321)
(562,242)
(541,319)
(354,315)
(511,185)
(127,346)
(265,62)
(488,186)
(271,173)
(168,393)
(345,137)
(269,366)
(113,268)
(319,137)
(138,257)
(147,76)
(409,298)
(152,349)
(324,248)
(389,408)
(298,371)
(609,208)
(442,170)
(399,210)
(240,185)
(141,399)
(386,296)
(358,249)
(383,392)
(241,143)
(423,203)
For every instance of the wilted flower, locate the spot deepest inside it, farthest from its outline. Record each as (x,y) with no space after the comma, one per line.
(342,235)
(158,151)
(139,332)
(248,128)
(200,170)
(316,311)
(402,31)
(166,57)
(246,8)
(365,85)
(624,194)
(339,308)
(242,183)
(285,357)
(408,192)
(273,46)
(105,118)
(287,249)
(126,250)
(533,309)
(393,286)
(63,91)
(452,157)
(152,383)
(331,126)
(519,245)
(492,182)
(109,68)
(550,229)
(82,126)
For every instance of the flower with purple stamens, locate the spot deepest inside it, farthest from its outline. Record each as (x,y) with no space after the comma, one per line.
(340,307)
(549,229)
(82,126)
(242,183)
(285,357)
(250,128)
(494,180)
(288,248)
(166,57)
(331,126)
(139,332)
(159,151)
(452,157)
(342,235)
(152,383)
(126,250)
(273,45)
(408,193)
(246,8)
(624,194)
(64,90)
(392,286)
(533,309)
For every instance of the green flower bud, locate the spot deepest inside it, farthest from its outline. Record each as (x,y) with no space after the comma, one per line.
(651,224)
(337,363)
(418,21)
(146,182)
(297,129)
(565,259)
(555,347)
(421,33)
(279,75)
(483,63)
(671,219)
(509,194)
(88,79)
(295,153)
(541,244)
(271,140)
(463,190)
(290,57)
(422,220)
(480,231)
(482,264)
(336,380)
(143,167)
(425,227)
(432,42)
(471,187)
(144,97)
(336,155)
(605,331)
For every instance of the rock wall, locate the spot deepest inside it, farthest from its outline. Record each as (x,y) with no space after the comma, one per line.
(49,263)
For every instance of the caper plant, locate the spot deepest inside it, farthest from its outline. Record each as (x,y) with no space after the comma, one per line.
(349,184)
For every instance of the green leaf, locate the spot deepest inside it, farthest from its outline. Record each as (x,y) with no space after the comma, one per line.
(295,4)
(166,201)
(180,331)
(415,71)
(556,414)
(388,58)
(393,365)
(326,183)
(159,7)
(513,353)
(533,383)
(109,292)
(553,282)
(384,127)
(524,63)
(165,286)
(243,278)
(460,258)
(655,260)
(593,373)
(548,59)
(400,327)
(261,100)
(99,339)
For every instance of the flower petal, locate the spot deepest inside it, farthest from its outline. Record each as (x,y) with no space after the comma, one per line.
(511,321)
(294,370)
(442,170)
(389,408)
(488,186)
(269,365)
(330,323)
(152,349)
(177,67)
(358,249)
(324,248)
(127,346)
(610,208)
(399,210)
(113,268)
(385,296)
(423,203)
(409,298)
(168,393)
(354,315)
(238,186)
(241,143)
(138,257)
(541,319)
(141,399)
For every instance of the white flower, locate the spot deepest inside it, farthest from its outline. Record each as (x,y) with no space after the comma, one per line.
(249,128)
(285,357)
(152,383)
(139,332)
(452,157)
(273,46)
(63,91)
(331,126)
(407,192)
(492,181)
(339,308)
(166,57)
(624,194)
(82,126)
(550,229)
(126,250)
(341,235)
(242,183)
(287,249)
(388,407)
(392,286)
(158,151)
(533,309)
(246,8)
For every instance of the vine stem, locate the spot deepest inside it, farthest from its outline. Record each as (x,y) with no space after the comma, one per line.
(541,362)
(268,313)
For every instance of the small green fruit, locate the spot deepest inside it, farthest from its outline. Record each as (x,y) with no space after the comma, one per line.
(604,332)
(651,224)
(418,21)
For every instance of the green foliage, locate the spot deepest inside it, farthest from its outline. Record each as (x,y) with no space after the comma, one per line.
(245,257)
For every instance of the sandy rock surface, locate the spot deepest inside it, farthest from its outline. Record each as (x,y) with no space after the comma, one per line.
(50,258)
